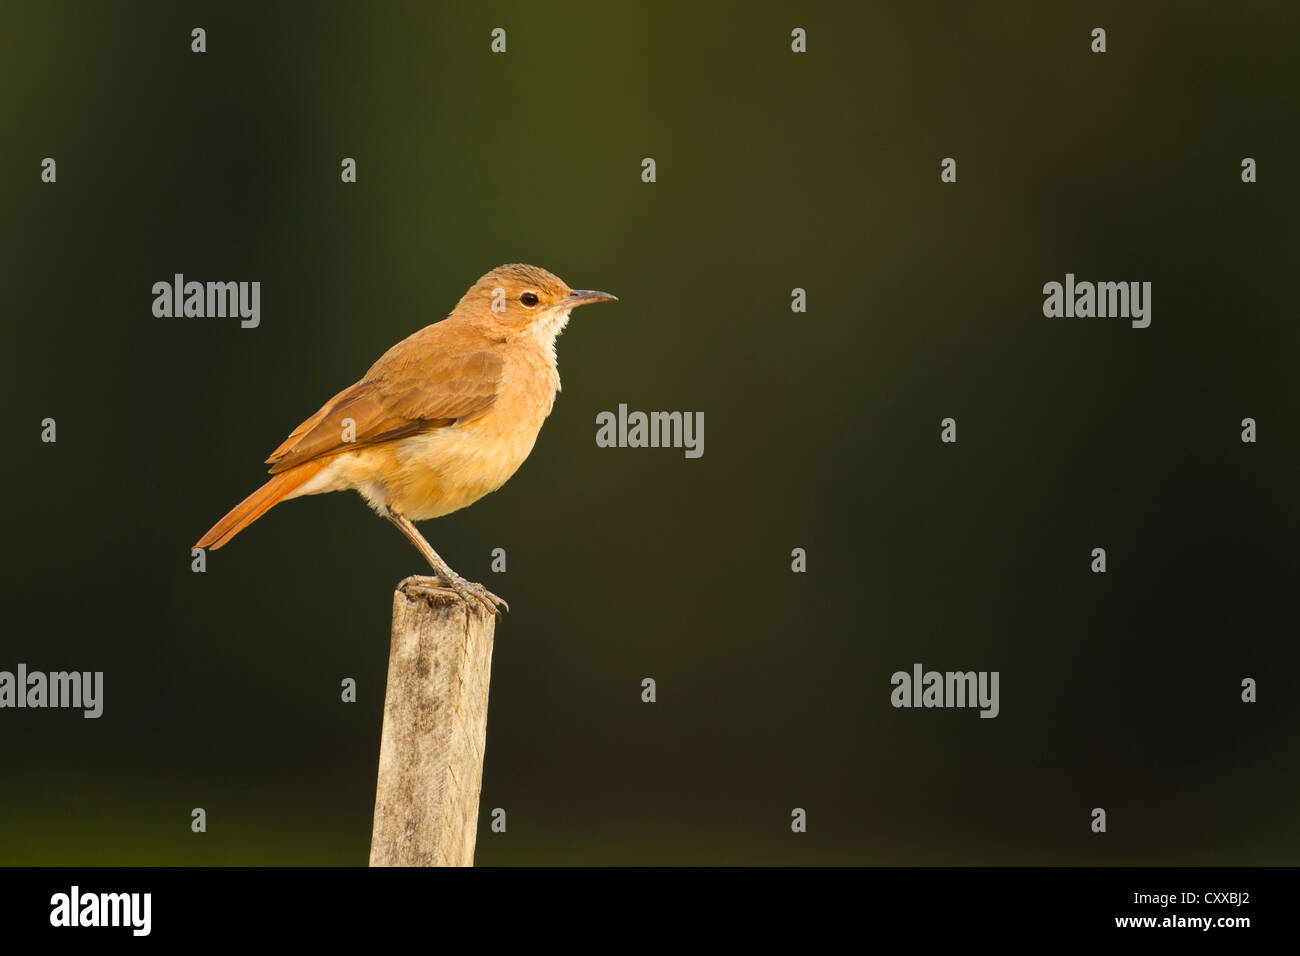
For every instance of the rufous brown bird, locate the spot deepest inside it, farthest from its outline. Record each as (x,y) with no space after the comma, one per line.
(444,417)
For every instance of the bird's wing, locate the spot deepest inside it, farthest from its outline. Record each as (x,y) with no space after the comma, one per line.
(415,387)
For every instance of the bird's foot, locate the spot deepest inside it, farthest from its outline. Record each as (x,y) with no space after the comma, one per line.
(469,591)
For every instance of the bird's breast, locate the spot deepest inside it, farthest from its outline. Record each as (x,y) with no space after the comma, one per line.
(449,468)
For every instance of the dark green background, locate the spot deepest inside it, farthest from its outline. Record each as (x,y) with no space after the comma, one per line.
(775,170)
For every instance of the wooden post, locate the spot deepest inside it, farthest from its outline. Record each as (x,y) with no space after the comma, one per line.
(435,728)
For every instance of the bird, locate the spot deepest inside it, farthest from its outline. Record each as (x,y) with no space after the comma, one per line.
(441,419)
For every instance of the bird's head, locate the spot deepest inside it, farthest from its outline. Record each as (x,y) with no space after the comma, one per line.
(519,298)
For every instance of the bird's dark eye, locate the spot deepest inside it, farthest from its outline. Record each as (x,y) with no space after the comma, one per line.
(529,299)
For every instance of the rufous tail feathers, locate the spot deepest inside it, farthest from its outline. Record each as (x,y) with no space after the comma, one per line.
(258,503)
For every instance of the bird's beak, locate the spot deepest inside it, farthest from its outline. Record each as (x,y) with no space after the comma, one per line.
(585,297)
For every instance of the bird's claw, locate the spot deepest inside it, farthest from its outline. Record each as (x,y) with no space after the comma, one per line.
(470,592)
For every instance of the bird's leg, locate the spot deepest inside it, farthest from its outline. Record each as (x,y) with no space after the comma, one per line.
(466,589)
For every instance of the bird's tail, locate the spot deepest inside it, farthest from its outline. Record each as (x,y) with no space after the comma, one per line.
(258,503)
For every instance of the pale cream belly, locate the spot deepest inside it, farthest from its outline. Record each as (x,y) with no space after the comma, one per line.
(429,475)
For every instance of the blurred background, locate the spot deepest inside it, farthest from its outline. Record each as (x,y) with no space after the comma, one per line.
(775,171)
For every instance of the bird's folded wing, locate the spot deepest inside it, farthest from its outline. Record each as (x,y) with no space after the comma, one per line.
(408,391)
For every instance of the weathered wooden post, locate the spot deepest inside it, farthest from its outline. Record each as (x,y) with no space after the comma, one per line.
(435,728)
